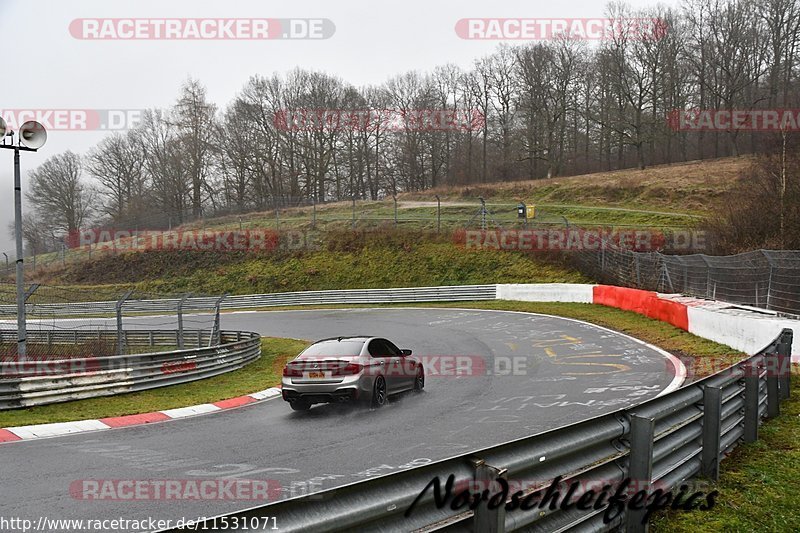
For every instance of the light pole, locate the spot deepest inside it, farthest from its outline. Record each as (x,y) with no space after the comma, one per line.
(32,136)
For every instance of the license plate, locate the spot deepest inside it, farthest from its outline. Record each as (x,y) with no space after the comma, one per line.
(316,375)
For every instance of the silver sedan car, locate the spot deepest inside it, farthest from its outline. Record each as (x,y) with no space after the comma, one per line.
(346,369)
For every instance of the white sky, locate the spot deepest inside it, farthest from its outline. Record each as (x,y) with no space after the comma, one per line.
(44,67)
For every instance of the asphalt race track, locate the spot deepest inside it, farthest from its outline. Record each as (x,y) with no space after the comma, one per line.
(538,372)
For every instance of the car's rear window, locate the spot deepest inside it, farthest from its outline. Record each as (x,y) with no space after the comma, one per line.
(343,348)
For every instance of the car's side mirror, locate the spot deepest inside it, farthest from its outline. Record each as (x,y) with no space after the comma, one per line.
(406,352)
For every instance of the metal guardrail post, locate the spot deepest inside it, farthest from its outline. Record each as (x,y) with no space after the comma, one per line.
(751,399)
(785,364)
(640,467)
(773,385)
(120,332)
(486,520)
(712,410)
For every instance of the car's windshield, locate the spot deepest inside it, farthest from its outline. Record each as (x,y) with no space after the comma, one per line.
(343,348)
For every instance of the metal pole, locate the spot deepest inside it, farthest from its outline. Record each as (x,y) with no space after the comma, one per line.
(354,211)
(483,214)
(216,332)
(313,213)
(21,328)
(769,281)
(438,214)
(180,321)
(6,255)
(395,209)
(120,334)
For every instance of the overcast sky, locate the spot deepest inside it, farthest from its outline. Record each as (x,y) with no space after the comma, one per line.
(45,67)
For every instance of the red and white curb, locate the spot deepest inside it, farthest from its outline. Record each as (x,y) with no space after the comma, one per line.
(743,328)
(41,431)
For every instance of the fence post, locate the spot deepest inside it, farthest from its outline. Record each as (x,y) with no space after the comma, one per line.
(394,198)
(313,213)
(438,214)
(180,320)
(751,371)
(120,333)
(785,363)
(769,281)
(354,211)
(215,330)
(708,276)
(640,466)
(712,411)
(487,520)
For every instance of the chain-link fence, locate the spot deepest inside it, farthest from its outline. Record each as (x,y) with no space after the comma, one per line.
(101,320)
(766,279)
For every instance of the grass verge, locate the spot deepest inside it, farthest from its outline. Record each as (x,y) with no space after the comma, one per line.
(259,375)
(759,484)
(349,260)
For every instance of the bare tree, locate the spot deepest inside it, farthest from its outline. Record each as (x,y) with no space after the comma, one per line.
(62,201)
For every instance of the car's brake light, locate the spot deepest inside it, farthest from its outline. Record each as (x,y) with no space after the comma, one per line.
(290,372)
(347,370)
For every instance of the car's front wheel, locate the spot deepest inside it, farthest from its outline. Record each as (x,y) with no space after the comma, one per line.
(300,405)
(379,392)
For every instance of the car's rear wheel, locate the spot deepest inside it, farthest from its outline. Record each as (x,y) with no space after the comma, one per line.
(300,405)
(379,392)
(419,381)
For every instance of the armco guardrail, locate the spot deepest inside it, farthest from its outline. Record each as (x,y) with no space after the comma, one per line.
(38,382)
(354,296)
(657,445)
